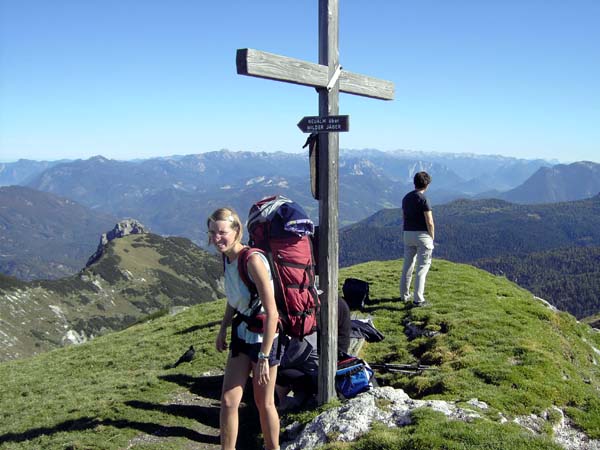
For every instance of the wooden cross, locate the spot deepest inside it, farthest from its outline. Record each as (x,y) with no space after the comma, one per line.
(328,78)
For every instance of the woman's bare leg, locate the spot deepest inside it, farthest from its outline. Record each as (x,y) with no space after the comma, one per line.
(264,397)
(236,375)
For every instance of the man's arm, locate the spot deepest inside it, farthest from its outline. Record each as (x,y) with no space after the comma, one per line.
(430,224)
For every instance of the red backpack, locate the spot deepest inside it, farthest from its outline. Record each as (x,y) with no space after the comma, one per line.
(280,229)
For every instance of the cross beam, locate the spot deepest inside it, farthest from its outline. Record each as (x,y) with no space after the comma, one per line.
(328,78)
(256,63)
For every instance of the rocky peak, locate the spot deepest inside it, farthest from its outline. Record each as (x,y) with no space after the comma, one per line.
(99,159)
(123,228)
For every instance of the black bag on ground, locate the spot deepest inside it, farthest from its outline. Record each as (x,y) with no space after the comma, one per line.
(356,293)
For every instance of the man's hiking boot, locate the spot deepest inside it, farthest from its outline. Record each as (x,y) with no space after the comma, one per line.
(420,304)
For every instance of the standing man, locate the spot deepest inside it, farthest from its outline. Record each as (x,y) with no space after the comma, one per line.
(419,233)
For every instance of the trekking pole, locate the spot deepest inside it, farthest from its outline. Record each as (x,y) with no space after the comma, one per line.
(402,368)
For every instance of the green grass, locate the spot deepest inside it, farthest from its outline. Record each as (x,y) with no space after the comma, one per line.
(492,341)
(105,392)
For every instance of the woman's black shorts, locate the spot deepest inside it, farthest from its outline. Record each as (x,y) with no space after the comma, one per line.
(251,350)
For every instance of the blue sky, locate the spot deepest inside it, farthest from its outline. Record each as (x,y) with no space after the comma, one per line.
(142,78)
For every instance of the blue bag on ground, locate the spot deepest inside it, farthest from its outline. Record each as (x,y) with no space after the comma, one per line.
(353,376)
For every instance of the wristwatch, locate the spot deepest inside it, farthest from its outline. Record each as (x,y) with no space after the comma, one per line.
(262,355)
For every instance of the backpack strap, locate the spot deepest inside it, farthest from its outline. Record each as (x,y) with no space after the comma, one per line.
(243,258)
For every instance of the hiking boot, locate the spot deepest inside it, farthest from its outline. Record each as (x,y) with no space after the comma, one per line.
(420,304)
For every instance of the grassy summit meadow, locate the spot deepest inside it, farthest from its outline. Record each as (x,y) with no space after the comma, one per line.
(486,338)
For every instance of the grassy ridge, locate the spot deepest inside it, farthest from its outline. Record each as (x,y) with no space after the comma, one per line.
(494,341)
(487,337)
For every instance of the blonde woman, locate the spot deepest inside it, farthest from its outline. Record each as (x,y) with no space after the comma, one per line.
(250,351)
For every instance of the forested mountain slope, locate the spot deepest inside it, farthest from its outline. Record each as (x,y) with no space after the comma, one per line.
(46,236)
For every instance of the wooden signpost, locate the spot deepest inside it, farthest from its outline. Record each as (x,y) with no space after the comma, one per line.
(325,124)
(329,79)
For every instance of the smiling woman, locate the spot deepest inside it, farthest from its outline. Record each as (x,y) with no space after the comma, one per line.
(251,350)
(220,225)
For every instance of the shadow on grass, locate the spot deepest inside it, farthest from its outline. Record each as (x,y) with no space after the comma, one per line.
(208,415)
(90,423)
(208,387)
(385,305)
(198,327)
(378,301)
(248,438)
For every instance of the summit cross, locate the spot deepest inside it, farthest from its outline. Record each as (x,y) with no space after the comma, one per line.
(329,79)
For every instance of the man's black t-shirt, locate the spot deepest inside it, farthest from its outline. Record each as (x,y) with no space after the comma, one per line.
(414,205)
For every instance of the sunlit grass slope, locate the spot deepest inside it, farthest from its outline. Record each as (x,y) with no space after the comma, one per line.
(487,339)
(103,393)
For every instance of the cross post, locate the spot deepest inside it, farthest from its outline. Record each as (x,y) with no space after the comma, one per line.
(329,79)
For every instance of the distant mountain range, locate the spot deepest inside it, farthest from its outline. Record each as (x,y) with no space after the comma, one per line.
(481,172)
(156,190)
(173,195)
(136,276)
(21,171)
(476,173)
(559,183)
(500,237)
